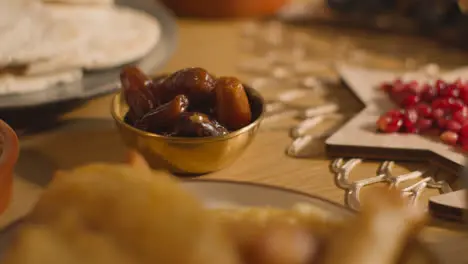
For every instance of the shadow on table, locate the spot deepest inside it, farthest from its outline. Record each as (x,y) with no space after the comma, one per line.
(6,235)
(73,143)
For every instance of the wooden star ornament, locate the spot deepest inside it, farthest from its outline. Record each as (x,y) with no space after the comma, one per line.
(359,137)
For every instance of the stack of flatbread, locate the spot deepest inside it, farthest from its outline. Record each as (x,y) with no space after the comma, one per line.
(50,42)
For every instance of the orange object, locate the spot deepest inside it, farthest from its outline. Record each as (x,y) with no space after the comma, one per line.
(8,157)
(225,8)
(463,5)
(232,104)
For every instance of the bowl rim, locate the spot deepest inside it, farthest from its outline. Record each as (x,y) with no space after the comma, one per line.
(117,99)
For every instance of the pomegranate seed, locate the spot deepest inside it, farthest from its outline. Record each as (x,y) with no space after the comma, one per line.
(388,124)
(395,113)
(464,143)
(456,104)
(453,125)
(413,87)
(449,137)
(399,97)
(462,140)
(410,118)
(429,93)
(438,113)
(465,147)
(464,131)
(395,125)
(397,88)
(424,124)
(464,95)
(423,109)
(386,86)
(464,98)
(440,85)
(450,91)
(410,100)
(442,122)
(453,91)
(463,86)
(443,103)
(461,116)
(397,81)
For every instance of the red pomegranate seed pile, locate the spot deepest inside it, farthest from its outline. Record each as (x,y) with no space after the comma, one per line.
(441,105)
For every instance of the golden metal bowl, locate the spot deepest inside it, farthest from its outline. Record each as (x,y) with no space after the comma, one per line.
(184,155)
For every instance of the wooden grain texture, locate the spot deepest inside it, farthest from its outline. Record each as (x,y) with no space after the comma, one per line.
(358,138)
(90,136)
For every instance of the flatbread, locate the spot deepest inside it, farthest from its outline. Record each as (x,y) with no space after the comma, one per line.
(20,84)
(10,11)
(81,2)
(54,42)
(31,33)
(108,37)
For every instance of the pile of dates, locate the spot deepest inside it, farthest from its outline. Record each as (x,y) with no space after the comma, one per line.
(441,106)
(188,103)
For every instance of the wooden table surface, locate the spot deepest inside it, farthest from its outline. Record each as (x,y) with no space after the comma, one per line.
(216,47)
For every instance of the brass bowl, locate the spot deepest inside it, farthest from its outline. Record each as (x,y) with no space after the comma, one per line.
(183,155)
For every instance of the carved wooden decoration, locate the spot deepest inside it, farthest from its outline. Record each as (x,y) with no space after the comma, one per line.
(358,137)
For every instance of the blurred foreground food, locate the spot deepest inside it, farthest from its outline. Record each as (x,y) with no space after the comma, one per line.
(104,213)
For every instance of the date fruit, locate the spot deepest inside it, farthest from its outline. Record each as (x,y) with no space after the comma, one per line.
(131,118)
(158,90)
(136,91)
(196,83)
(187,103)
(163,118)
(232,104)
(193,124)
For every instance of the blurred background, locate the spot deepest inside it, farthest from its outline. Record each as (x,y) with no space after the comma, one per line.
(277,38)
(443,19)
